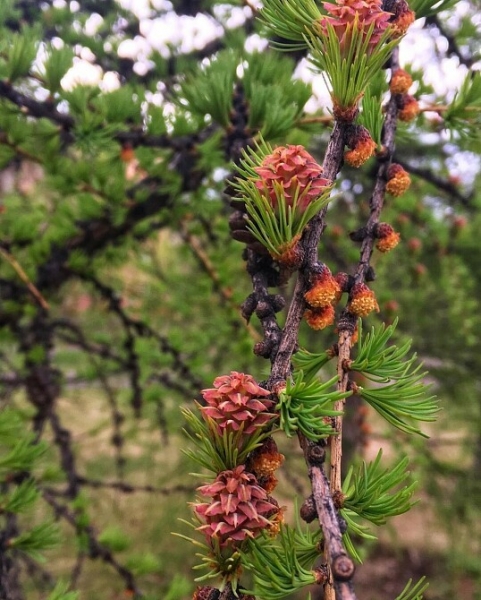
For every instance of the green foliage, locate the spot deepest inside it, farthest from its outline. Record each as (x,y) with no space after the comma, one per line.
(20,499)
(279,566)
(209,91)
(275,101)
(20,51)
(463,116)
(290,20)
(371,115)
(60,592)
(39,538)
(310,363)
(369,492)
(57,63)
(413,592)
(142,564)
(426,8)
(404,393)
(306,405)
(114,538)
(349,71)
(216,451)
(221,564)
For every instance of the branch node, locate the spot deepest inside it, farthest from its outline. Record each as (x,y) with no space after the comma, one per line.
(308,510)
(343,568)
(316,455)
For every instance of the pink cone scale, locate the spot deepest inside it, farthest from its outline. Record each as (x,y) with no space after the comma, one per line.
(239,507)
(236,401)
(295,171)
(346,14)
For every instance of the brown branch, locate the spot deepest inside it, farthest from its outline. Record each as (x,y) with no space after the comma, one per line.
(36,108)
(341,565)
(310,241)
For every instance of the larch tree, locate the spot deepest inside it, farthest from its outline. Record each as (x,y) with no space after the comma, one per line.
(230,229)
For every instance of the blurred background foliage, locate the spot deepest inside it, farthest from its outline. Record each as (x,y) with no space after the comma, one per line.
(121,287)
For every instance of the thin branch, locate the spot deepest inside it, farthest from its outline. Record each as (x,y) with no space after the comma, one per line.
(144,330)
(128,488)
(310,241)
(24,277)
(341,565)
(441,184)
(453,48)
(96,549)
(207,266)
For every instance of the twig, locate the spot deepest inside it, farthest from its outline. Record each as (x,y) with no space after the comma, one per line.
(310,241)
(453,47)
(129,488)
(440,183)
(206,264)
(96,549)
(24,277)
(341,565)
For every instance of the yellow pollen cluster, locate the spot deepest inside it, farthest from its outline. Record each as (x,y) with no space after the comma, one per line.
(361,153)
(410,109)
(398,180)
(388,242)
(266,463)
(323,293)
(363,301)
(320,318)
(401,81)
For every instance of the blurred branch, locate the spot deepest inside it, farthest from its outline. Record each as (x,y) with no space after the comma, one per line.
(96,549)
(453,48)
(443,185)
(207,266)
(131,488)
(24,277)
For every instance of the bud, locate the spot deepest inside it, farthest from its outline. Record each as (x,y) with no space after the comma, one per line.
(266,459)
(362,301)
(362,146)
(206,592)
(387,237)
(295,172)
(398,180)
(408,108)
(400,82)
(403,18)
(320,318)
(290,254)
(414,245)
(324,290)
